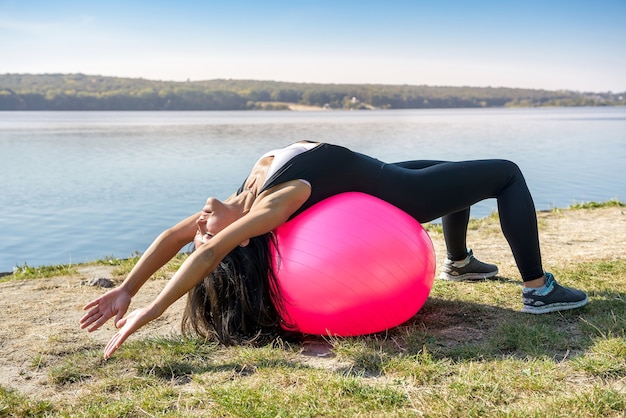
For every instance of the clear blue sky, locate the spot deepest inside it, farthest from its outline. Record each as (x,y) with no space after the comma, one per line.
(574,45)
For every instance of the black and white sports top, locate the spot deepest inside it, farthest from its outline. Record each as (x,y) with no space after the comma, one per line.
(328,169)
(283,155)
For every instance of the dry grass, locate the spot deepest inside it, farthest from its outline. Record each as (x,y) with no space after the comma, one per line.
(468,352)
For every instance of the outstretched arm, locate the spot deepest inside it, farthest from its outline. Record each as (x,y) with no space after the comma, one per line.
(115,302)
(271,211)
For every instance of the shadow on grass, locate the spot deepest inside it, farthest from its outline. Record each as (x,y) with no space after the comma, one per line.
(179,371)
(467,331)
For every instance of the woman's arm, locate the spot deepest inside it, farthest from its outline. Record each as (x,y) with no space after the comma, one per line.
(116,301)
(267,213)
(163,249)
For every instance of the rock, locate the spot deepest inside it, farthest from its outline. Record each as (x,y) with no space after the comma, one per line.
(99,281)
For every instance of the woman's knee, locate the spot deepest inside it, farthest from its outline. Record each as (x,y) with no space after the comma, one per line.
(510,169)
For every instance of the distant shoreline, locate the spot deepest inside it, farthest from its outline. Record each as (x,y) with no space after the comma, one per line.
(91,92)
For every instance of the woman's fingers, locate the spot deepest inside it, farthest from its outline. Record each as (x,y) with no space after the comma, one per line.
(101,321)
(113,345)
(113,303)
(95,316)
(127,325)
(91,304)
(89,318)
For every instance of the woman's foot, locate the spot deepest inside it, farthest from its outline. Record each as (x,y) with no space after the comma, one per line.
(552,297)
(468,269)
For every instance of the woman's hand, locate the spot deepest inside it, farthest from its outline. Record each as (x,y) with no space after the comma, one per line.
(135,320)
(114,302)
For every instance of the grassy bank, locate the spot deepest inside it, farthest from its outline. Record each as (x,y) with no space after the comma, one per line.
(468,353)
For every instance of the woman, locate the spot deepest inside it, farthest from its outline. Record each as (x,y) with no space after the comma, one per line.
(229,278)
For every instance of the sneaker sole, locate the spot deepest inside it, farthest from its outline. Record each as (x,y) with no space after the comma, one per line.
(554,307)
(467,276)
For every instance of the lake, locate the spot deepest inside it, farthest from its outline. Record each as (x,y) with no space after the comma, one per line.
(79,186)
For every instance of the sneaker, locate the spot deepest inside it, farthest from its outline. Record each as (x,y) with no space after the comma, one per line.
(554,298)
(468,269)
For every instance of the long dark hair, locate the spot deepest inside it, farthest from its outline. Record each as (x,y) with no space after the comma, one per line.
(237,303)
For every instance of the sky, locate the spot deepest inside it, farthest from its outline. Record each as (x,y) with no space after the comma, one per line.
(538,44)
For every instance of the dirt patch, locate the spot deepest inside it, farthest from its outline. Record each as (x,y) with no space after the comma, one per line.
(40,321)
(40,317)
(566,236)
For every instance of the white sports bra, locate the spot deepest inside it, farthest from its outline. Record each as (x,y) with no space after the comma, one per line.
(283,155)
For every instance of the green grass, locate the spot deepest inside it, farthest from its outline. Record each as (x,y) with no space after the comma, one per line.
(593,205)
(25,272)
(464,354)
(469,352)
(121,268)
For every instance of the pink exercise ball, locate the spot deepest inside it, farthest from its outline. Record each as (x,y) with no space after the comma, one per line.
(350,265)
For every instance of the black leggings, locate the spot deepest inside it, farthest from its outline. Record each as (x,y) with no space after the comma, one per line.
(428,190)
(448,189)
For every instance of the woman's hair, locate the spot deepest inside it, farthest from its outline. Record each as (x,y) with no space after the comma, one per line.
(236,303)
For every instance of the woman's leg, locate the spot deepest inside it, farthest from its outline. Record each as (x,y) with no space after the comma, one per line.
(431,189)
(428,191)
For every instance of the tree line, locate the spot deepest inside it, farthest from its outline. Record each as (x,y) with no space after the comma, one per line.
(87,92)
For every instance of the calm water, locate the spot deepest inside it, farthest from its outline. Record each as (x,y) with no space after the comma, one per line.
(78,186)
